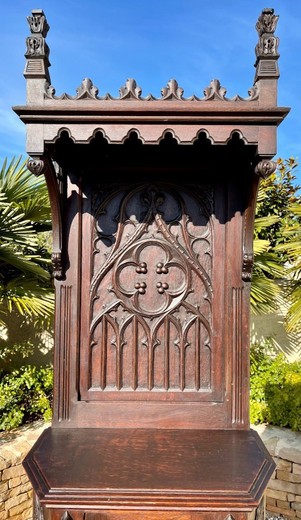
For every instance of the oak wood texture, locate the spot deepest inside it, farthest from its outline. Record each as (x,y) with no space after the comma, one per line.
(182,470)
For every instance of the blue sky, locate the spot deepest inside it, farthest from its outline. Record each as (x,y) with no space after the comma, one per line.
(192,41)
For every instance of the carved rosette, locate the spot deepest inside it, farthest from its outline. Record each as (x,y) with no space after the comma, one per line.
(37,50)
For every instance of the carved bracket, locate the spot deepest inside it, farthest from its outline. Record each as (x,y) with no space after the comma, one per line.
(38,166)
(247,266)
(265,168)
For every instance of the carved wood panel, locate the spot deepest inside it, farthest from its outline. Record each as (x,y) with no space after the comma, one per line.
(150,291)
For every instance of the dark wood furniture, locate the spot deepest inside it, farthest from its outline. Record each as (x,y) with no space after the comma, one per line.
(153,205)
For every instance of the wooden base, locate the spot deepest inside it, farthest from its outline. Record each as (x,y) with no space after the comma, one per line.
(115,474)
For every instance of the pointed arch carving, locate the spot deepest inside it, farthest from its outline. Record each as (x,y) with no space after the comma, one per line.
(151,289)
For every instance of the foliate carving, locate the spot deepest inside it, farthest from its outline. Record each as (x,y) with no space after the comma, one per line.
(38,23)
(37,50)
(151,327)
(267,21)
(85,91)
(266,26)
(215,92)
(265,168)
(247,266)
(172,90)
(36,165)
(130,90)
(36,44)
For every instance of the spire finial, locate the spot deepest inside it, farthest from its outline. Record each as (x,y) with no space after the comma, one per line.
(37,52)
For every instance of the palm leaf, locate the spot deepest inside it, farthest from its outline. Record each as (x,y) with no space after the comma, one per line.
(265,294)
(27,298)
(25,264)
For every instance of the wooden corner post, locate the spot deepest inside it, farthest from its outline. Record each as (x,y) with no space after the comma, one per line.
(153,203)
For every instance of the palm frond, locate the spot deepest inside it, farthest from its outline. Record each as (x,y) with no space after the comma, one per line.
(27,298)
(265,295)
(25,264)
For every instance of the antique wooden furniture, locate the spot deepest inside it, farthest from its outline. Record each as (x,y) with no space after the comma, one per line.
(153,207)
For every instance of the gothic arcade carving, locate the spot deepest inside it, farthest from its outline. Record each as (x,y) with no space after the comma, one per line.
(151,290)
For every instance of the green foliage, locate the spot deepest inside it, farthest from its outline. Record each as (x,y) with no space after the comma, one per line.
(25,396)
(25,266)
(276,224)
(275,389)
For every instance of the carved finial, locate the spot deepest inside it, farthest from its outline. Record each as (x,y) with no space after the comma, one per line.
(37,52)
(267,47)
(267,21)
(86,90)
(130,90)
(215,91)
(38,23)
(172,90)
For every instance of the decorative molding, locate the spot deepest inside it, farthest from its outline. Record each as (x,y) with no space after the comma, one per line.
(247,266)
(131,91)
(36,165)
(237,375)
(265,168)
(64,329)
(215,92)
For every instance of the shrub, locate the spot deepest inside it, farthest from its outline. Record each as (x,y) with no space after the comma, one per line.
(25,396)
(275,389)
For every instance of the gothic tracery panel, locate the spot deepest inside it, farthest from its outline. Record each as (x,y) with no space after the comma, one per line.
(151,289)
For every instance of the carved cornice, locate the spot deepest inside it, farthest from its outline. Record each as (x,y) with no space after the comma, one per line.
(265,168)
(131,91)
